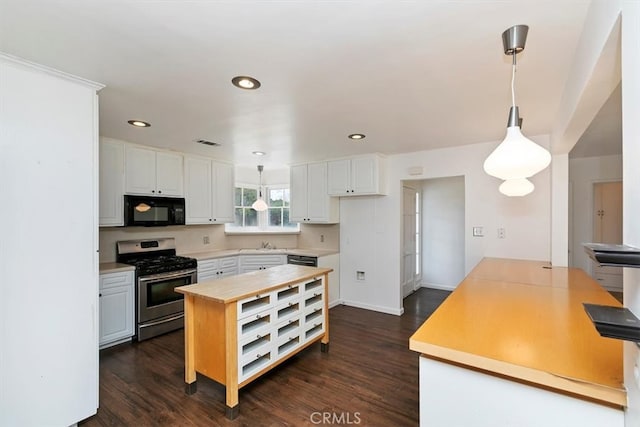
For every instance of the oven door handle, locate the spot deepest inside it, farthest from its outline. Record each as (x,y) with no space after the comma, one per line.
(160,277)
(160,322)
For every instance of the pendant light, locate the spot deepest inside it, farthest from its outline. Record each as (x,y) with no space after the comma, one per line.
(517,157)
(259,205)
(516,187)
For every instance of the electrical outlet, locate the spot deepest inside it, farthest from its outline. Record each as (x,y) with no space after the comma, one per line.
(501,233)
(477,232)
(360,275)
(322,238)
(205,240)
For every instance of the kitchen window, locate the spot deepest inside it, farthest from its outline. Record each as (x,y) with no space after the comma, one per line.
(274,220)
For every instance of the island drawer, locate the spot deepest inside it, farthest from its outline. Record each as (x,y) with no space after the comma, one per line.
(288,293)
(250,366)
(313,329)
(255,304)
(258,324)
(251,348)
(288,310)
(287,343)
(314,286)
(314,299)
(312,314)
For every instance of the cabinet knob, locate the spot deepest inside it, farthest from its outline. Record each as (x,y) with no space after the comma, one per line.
(210,219)
(159,191)
(99,295)
(153,191)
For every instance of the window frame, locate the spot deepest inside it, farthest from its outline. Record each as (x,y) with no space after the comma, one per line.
(263,217)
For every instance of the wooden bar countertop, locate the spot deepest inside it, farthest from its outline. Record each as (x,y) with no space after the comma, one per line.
(523,320)
(234,288)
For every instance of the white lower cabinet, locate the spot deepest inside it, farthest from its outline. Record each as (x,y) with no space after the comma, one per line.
(116,308)
(217,268)
(274,324)
(260,262)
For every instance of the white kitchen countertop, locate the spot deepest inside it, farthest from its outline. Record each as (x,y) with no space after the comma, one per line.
(220,253)
(114,267)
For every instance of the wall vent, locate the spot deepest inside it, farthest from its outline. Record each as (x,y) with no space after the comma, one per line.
(205,142)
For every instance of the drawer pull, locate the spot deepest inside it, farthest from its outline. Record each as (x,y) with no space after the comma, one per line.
(258,356)
(258,316)
(292,338)
(315,325)
(258,296)
(290,304)
(258,336)
(316,295)
(317,310)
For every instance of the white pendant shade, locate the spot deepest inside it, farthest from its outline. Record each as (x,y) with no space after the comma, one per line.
(259,205)
(516,157)
(516,187)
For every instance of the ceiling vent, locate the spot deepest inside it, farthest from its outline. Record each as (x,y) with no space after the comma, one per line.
(205,142)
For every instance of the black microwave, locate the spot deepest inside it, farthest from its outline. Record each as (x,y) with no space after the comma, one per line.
(148,211)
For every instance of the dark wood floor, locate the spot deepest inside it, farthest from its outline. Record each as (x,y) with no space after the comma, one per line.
(369,378)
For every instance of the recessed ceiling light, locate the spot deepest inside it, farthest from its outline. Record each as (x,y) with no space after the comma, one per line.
(357,136)
(245,82)
(139,123)
(259,153)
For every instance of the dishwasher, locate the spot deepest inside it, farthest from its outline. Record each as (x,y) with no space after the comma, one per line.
(311,261)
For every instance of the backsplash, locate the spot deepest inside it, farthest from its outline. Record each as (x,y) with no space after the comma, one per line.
(191,238)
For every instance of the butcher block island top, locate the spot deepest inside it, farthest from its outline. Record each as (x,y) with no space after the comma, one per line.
(523,320)
(235,288)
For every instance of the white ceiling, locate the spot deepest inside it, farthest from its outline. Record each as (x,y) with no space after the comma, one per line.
(411,75)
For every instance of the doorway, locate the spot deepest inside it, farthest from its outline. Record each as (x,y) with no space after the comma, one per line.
(433,245)
(410,239)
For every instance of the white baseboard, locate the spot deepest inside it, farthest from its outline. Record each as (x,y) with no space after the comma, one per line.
(387,310)
(335,303)
(438,286)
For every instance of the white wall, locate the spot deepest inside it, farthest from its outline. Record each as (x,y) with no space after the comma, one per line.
(443,232)
(583,173)
(631,188)
(594,75)
(370,237)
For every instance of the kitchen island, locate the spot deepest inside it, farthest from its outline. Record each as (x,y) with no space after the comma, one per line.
(237,328)
(512,345)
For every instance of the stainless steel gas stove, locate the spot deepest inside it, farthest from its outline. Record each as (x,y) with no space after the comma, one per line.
(159,309)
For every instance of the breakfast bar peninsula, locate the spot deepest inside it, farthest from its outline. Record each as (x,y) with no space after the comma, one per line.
(239,327)
(513,346)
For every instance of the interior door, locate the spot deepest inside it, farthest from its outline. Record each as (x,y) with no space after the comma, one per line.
(408,241)
(607,228)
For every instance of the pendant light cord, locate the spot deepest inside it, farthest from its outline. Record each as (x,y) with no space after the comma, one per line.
(513,79)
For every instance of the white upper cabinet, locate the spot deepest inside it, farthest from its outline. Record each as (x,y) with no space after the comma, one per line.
(111,183)
(169,175)
(222,190)
(208,191)
(152,172)
(310,202)
(356,176)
